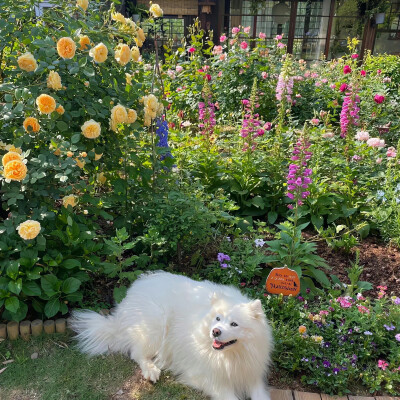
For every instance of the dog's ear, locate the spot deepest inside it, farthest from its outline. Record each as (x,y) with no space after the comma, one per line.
(256,309)
(213,298)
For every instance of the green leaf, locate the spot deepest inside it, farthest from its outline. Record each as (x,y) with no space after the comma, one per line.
(15,286)
(317,220)
(50,284)
(12,269)
(76,138)
(31,289)
(82,61)
(272,217)
(12,304)
(71,263)
(258,202)
(70,285)
(62,126)
(52,307)
(120,293)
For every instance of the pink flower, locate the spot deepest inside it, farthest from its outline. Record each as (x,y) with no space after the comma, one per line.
(235,30)
(179,68)
(222,38)
(217,50)
(192,50)
(378,71)
(382,364)
(346,69)
(391,152)
(362,136)
(264,75)
(243,45)
(345,302)
(363,72)
(208,77)
(354,56)
(262,35)
(278,37)
(343,87)
(247,29)
(315,121)
(232,42)
(220,73)
(281,45)
(267,126)
(332,86)
(378,98)
(222,57)
(379,160)
(328,135)
(363,310)
(387,79)
(376,142)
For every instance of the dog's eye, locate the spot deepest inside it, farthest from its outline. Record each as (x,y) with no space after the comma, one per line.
(234,324)
(218,318)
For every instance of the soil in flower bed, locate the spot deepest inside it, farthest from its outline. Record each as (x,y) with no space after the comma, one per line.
(381,263)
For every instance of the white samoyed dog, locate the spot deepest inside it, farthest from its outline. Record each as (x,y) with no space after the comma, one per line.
(210,336)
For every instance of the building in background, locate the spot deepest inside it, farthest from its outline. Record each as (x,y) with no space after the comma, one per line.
(311,28)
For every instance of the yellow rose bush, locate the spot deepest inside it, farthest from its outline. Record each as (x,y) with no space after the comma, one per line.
(69,121)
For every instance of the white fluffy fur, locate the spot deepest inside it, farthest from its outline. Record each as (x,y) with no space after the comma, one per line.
(166,322)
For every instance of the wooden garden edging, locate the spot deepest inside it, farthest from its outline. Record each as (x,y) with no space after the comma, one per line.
(13,330)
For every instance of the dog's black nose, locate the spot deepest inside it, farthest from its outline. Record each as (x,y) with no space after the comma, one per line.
(216,332)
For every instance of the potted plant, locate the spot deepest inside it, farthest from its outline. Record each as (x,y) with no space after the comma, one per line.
(373,9)
(135,12)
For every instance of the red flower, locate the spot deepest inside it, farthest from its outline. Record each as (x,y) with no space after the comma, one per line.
(379,99)
(192,50)
(363,73)
(343,87)
(208,76)
(346,69)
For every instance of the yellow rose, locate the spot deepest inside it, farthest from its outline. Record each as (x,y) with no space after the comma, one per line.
(46,104)
(80,163)
(84,42)
(135,53)
(139,43)
(141,34)
(99,53)
(60,109)
(70,153)
(123,54)
(101,178)
(128,78)
(147,120)
(15,170)
(118,17)
(98,156)
(27,62)
(10,156)
(91,129)
(132,116)
(66,47)
(156,10)
(119,114)
(11,147)
(29,229)
(54,81)
(82,4)
(69,200)
(31,123)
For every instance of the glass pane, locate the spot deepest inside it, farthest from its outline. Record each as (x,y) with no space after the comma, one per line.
(309,49)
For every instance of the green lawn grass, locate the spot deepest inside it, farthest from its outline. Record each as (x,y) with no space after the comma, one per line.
(62,373)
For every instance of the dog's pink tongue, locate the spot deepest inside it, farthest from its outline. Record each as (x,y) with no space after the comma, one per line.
(217,344)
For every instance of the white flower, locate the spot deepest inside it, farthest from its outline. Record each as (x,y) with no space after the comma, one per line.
(259,242)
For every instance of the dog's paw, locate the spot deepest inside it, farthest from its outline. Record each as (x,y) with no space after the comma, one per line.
(151,372)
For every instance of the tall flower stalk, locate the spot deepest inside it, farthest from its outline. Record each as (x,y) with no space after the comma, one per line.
(207,115)
(251,125)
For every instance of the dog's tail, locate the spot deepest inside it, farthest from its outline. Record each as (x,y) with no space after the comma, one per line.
(96,334)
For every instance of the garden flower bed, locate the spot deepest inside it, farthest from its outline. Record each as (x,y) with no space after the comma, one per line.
(217,160)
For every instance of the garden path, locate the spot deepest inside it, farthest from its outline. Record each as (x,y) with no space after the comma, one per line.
(278,394)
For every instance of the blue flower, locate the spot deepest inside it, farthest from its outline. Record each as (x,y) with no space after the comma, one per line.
(389,328)
(380,195)
(162,133)
(368,333)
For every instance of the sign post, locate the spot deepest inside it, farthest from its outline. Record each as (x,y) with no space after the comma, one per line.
(283,281)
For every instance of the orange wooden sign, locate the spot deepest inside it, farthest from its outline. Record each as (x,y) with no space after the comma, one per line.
(283,281)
